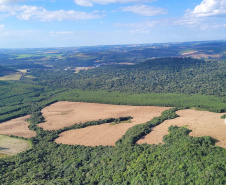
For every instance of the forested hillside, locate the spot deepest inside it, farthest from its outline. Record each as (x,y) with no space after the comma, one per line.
(164,75)
(179,82)
(182,160)
(5,71)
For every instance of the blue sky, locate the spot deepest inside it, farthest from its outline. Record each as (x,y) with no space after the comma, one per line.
(65,23)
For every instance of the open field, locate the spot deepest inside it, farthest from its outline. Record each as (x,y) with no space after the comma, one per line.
(12,146)
(29,76)
(17,127)
(24,71)
(14,76)
(202,55)
(202,123)
(63,114)
(77,69)
(189,52)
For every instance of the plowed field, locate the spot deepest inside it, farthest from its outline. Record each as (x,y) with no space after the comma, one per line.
(17,127)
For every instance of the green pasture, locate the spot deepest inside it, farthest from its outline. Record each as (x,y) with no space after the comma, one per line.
(15,76)
(12,146)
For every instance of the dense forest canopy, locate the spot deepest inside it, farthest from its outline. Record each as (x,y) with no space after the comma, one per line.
(173,78)
(164,75)
(6,71)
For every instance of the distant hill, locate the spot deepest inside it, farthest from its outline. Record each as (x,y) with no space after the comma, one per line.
(6,71)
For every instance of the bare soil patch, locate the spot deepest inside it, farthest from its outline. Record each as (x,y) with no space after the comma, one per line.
(202,123)
(63,114)
(12,146)
(17,127)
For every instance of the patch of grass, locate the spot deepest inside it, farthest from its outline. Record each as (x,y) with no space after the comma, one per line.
(13,146)
(118,121)
(29,76)
(2,155)
(24,56)
(114,123)
(23,70)
(15,76)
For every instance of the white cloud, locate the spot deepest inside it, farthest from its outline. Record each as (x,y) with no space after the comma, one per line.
(205,15)
(137,25)
(91,2)
(140,31)
(145,10)
(8,1)
(52,33)
(2,26)
(33,12)
(209,8)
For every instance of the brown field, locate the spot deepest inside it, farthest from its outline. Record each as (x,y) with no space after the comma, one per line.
(202,123)
(17,127)
(63,114)
(196,54)
(202,55)
(189,52)
(11,146)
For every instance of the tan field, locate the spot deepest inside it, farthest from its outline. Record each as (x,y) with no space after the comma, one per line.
(14,76)
(202,55)
(24,71)
(63,114)
(189,52)
(202,123)
(17,127)
(12,146)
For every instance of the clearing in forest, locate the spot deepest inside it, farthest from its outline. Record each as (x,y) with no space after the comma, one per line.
(14,76)
(12,146)
(77,69)
(17,127)
(61,114)
(206,56)
(202,123)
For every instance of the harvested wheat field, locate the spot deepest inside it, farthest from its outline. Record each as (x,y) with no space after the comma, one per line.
(63,114)
(17,127)
(202,123)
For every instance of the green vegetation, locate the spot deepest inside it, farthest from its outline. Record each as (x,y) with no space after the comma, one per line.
(171,82)
(138,131)
(2,155)
(6,71)
(29,76)
(210,103)
(182,160)
(122,120)
(164,75)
